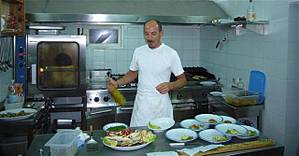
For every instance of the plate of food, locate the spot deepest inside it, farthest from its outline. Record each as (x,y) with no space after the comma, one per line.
(160,124)
(210,119)
(181,135)
(213,136)
(129,139)
(194,125)
(207,83)
(228,119)
(16,114)
(250,133)
(115,126)
(231,129)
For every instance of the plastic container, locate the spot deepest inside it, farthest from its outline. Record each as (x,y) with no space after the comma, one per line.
(241,98)
(17,104)
(64,143)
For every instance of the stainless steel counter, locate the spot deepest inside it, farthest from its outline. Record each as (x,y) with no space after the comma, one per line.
(219,104)
(161,144)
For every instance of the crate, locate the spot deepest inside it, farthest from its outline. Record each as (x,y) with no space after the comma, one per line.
(64,143)
(241,98)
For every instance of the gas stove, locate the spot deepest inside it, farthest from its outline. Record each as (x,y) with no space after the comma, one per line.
(99,98)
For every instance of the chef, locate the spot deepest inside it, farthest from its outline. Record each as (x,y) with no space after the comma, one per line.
(153,63)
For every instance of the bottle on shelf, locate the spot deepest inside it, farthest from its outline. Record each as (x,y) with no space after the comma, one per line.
(251,14)
(12,94)
(241,84)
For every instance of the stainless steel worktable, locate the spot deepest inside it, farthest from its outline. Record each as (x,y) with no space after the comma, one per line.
(217,103)
(161,144)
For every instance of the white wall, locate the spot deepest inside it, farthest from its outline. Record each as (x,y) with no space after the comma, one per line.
(5,77)
(184,39)
(269,54)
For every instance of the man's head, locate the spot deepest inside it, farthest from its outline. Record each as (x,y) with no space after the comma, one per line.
(153,33)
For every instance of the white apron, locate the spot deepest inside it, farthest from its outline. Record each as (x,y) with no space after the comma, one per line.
(149,106)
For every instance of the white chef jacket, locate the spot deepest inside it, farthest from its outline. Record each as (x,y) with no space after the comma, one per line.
(154,67)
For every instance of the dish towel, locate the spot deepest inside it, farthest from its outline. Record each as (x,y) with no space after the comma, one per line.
(165,153)
(193,151)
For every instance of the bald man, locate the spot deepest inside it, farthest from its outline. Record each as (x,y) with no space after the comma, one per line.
(153,63)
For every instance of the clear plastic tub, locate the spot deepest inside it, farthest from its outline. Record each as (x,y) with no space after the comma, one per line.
(241,98)
(18,104)
(64,143)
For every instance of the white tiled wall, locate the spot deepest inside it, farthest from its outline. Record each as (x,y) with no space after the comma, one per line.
(5,78)
(184,39)
(270,54)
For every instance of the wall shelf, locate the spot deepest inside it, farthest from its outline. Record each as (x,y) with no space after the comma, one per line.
(12,18)
(259,27)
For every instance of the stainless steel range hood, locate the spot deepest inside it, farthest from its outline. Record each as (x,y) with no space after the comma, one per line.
(123,11)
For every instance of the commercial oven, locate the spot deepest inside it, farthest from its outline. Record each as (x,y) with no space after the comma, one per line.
(56,65)
(55,70)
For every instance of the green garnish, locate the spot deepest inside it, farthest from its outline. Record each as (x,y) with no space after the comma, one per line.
(110,142)
(117,128)
(232,131)
(219,138)
(251,133)
(186,137)
(153,126)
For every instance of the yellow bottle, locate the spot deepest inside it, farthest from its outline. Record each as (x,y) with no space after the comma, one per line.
(118,97)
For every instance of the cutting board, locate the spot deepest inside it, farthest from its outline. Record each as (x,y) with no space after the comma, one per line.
(237,147)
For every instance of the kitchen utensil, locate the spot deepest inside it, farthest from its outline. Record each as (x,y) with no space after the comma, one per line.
(91,144)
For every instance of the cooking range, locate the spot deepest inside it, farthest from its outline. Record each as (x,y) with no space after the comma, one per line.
(187,102)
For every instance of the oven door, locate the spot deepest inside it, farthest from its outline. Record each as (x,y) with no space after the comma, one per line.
(56,65)
(98,117)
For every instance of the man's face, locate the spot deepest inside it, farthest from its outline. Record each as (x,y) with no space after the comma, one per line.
(152,34)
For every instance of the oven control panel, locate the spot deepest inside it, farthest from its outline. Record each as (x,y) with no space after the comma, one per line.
(99,98)
(20,61)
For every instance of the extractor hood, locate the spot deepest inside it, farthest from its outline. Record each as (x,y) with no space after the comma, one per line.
(123,11)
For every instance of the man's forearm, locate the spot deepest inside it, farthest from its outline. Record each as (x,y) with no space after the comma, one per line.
(179,83)
(129,77)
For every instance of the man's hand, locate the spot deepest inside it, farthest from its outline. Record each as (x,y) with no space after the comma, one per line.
(111,85)
(164,88)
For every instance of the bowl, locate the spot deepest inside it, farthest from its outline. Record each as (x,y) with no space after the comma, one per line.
(193,125)
(210,119)
(160,124)
(250,133)
(231,129)
(228,119)
(115,126)
(213,136)
(181,135)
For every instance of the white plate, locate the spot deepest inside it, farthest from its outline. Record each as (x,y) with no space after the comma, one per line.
(228,119)
(209,134)
(207,83)
(189,122)
(207,118)
(177,134)
(109,125)
(27,110)
(129,148)
(224,128)
(249,128)
(163,123)
(216,93)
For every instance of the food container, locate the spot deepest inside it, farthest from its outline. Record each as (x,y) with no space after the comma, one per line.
(64,143)
(241,98)
(17,104)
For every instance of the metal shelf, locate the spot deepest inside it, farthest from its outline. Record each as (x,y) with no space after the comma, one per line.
(261,27)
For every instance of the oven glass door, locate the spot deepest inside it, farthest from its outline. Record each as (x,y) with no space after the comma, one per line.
(58,65)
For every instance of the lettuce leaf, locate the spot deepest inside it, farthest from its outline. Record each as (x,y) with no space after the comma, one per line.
(109,142)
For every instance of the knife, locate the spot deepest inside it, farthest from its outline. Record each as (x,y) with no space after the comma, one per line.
(176,144)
